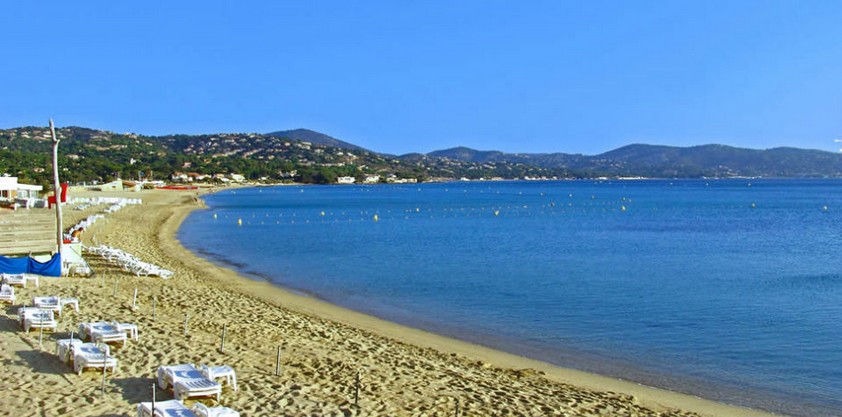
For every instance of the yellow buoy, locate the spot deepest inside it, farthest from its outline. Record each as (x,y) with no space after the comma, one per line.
(376,218)
(622,208)
(239,222)
(322,214)
(496,212)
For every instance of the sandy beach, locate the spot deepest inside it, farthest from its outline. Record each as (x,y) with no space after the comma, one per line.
(402,371)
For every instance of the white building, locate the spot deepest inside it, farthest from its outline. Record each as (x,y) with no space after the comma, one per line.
(25,195)
(179,177)
(372,179)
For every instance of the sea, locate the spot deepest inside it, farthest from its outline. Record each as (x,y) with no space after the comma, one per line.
(726,289)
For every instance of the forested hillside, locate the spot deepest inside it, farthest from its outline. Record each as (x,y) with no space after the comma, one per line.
(95,155)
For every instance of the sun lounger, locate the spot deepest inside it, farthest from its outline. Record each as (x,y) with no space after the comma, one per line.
(19,279)
(48,303)
(101,331)
(202,410)
(36,318)
(65,347)
(187,381)
(170,408)
(7,293)
(13,279)
(129,262)
(92,355)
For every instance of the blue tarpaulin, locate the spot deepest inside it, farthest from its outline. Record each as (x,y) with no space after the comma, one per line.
(27,265)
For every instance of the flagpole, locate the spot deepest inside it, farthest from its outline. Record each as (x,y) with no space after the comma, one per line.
(56,189)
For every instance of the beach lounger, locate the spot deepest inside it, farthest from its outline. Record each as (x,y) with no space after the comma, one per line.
(65,347)
(187,381)
(7,293)
(13,279)
(102,331)
(92,355)
(20,279)
(202,410)
(48,303)
(170,408)
(36,318)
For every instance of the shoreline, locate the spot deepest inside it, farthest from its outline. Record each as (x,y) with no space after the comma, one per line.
(405,371)
(313,305)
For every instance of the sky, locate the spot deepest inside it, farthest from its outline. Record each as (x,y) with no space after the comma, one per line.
(416,76)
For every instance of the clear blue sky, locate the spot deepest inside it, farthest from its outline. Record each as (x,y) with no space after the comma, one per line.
(401,76)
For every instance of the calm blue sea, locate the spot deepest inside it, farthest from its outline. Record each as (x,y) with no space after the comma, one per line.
(727,289)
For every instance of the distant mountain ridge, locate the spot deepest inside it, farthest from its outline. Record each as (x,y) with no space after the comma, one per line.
(670,161)
(307,135)
(303,155)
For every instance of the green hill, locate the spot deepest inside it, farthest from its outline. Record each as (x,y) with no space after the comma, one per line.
(306,156)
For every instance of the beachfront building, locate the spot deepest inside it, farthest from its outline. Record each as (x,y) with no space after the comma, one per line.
(188,177)
(393,179)
(346,180)
(15,194)
(371,179)
(179,177)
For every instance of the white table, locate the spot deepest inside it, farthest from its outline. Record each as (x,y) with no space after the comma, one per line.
(30,277)
(129,328)
(224,371)
(70,300)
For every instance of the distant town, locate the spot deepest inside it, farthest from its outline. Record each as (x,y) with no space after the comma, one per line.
(102,159)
